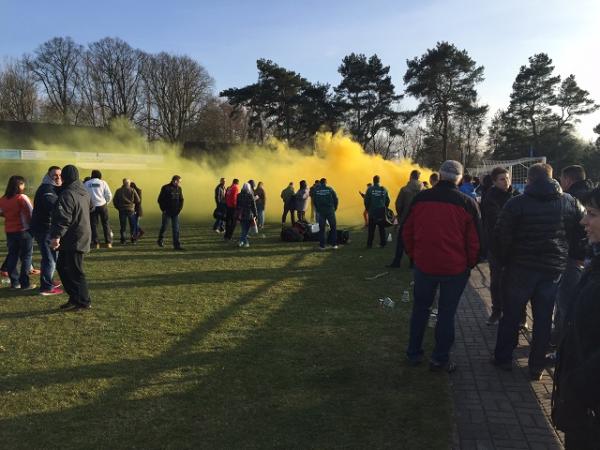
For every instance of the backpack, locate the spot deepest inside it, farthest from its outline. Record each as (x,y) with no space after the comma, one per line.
(343,236)
(301,226)
(289,234)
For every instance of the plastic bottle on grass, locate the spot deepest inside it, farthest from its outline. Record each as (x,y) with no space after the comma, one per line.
(405,296)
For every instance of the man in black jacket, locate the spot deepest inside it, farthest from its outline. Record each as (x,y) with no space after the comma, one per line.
(71,232)
(170,201)
(531,240)
(491,205)
(44,201)
(573,181)
(221,207)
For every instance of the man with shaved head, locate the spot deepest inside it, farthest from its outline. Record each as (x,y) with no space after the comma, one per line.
(126,200)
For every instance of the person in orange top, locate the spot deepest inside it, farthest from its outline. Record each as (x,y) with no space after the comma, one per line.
(16,209)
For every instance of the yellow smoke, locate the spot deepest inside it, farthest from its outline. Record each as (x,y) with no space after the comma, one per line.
(335,156)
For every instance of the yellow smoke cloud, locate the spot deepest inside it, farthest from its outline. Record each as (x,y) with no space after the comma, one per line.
(336,157)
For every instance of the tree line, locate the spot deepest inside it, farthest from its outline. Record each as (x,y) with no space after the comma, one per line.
(172,97)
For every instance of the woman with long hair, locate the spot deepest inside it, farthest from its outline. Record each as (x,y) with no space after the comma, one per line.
(16,209)
(576,394)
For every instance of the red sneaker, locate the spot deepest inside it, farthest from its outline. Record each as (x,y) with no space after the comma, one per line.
(34,272)
(53,291)
(56,284)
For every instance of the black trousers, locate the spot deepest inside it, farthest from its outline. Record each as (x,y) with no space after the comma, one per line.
(100,213)
(70,270)
(287,209)
(376,220)
(230,223)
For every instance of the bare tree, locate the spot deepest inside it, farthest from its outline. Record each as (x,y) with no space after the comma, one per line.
(178,88)
(114,69)
(18,95)
(55,64)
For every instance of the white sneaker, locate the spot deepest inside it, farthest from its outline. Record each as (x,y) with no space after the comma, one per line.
(241,244)
(246,245)
(335,247)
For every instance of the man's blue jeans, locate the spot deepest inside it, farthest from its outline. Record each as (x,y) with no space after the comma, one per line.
(520,285)
(124,217)
(451,289)
(174,225)
(323,219)
(48,264)
(20,246)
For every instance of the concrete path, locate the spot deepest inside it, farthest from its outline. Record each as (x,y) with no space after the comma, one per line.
(495,409)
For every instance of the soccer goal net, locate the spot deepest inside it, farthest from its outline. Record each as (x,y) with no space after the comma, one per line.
(516,167)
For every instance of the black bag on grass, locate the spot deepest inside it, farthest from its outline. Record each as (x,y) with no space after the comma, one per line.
(343,236)
(310,236)
(289,234)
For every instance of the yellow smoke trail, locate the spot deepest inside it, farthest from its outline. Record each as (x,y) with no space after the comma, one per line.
(336,157)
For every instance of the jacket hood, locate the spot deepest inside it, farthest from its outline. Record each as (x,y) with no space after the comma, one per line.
(48,180)
(545,189)
(414,186)
(69,174)
(580,187)
(78,188)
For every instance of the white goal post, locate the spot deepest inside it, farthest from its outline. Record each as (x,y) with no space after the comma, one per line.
(517,168)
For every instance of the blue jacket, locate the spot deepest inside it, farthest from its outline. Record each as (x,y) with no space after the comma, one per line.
(469,189)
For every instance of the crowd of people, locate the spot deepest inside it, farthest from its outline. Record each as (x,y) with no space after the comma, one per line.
(542,245)
(543,248)
(65,215)
(247,206)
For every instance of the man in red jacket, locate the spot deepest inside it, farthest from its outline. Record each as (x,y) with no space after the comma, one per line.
(231,195)
(441,235)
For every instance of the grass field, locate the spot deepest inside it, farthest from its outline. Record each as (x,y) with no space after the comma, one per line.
(275,346)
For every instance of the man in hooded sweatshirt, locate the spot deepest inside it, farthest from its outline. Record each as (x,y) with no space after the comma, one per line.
(101,196)
(403,202)
(70,232)
(44,201)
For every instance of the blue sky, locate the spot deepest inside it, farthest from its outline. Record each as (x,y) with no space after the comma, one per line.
(311,37)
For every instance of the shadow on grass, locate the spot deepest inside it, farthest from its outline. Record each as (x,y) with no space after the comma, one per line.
(316,373)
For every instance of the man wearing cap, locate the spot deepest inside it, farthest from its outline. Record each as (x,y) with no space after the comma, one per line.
(442,236)
(70,233)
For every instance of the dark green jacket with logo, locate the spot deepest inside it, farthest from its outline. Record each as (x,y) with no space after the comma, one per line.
(326,200)
(376,199)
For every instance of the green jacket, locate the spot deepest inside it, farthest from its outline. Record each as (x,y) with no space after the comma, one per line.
(326,200)
(376,198)
(287,194)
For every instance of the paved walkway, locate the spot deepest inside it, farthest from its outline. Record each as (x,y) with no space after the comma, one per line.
(495,409)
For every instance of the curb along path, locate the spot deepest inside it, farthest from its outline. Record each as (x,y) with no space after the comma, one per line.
(494,409)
